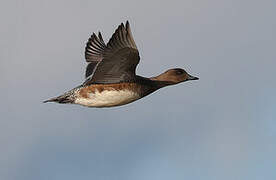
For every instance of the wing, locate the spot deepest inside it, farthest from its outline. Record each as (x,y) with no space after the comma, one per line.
(94,53)
(119,59)
(90,68)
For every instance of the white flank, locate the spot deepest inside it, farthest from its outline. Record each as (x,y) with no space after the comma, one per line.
(108,98)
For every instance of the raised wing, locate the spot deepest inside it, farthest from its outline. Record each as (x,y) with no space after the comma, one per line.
(94,53)
(119,59)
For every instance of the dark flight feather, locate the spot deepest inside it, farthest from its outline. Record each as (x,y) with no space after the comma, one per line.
(119,58)
(94,52)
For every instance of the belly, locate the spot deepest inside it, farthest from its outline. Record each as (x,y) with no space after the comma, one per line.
(108,98)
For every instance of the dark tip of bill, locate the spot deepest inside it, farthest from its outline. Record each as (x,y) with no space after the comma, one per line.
(193,78)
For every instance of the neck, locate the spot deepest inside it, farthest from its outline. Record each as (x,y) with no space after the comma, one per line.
(150,84)
(160,82)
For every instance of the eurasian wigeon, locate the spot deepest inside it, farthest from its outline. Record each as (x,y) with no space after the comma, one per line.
(110,74)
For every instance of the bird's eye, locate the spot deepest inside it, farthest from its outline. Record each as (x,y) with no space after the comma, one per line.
(179,72)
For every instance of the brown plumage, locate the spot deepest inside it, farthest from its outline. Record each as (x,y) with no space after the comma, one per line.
(111,79)
(85,91)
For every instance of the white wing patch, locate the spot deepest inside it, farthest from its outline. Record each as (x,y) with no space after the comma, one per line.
(108,98)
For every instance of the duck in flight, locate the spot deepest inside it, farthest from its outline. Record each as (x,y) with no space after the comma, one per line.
(110,74)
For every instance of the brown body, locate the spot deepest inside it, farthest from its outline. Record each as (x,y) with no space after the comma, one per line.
(111,79)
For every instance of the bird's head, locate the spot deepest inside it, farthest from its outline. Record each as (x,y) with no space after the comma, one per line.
(175,76)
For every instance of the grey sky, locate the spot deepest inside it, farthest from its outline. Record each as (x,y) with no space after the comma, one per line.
(220,127)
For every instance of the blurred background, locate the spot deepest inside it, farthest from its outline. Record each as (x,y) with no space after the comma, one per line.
(220,127)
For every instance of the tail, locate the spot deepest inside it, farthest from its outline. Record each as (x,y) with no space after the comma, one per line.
(63,99)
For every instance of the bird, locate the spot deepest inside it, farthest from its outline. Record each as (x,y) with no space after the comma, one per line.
(110,74)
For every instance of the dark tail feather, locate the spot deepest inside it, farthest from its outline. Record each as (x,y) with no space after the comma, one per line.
(63,99)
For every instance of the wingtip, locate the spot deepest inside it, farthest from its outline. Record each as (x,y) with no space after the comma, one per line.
(100,35)
(94,35)
(127,24)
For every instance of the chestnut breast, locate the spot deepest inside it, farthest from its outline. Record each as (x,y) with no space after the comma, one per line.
(107,95)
